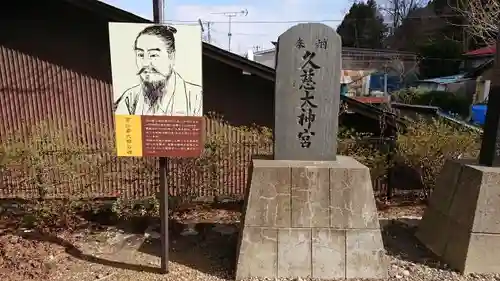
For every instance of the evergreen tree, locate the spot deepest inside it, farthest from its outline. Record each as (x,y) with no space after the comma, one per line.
(363,26)
(440,57)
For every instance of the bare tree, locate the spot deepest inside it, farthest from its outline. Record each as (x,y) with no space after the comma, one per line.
(397,10)
(481,18)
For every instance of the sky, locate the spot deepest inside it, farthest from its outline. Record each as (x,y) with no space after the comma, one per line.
(264,22)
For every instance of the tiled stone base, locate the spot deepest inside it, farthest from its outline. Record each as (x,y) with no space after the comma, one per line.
(461,225)
(310,219)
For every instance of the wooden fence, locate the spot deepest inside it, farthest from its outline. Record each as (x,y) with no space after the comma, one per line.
(221,170)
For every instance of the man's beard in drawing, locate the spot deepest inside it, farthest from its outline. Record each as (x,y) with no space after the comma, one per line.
(153,84)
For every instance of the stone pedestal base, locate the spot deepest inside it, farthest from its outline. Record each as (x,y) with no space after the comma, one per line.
(310,219)
(461,225)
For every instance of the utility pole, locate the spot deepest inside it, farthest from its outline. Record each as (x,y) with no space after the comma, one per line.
(158,16)
(230,16)
(209,28)
(209,37)
(158,11)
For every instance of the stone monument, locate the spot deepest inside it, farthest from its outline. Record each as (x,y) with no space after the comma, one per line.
(309,212)
(307,93)
(461,224)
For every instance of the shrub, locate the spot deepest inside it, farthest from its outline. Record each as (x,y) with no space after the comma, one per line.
(48,160)
(222,162)
(407,95)
(369,151)
(427,144)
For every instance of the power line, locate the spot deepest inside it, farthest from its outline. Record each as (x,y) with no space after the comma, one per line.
(389,56)
(230,16)
(375,50)
(243,34)
(310,21)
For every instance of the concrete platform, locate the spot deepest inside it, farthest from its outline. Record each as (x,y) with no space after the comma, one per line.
(461,225)
(310,219)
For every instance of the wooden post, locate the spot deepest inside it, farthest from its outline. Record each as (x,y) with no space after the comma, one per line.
(490,146)
(164,213)
(158,7)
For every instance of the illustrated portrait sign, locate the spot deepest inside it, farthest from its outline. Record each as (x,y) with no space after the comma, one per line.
(157,89)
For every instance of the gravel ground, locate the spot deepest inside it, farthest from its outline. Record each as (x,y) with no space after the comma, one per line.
(205,252)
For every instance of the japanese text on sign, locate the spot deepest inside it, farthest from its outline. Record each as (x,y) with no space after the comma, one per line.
(172,136)
(128,135)
(307,85)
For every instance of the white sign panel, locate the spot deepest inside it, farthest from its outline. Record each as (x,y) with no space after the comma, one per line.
(156,69)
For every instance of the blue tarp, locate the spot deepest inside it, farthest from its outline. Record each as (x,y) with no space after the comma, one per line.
(479,113)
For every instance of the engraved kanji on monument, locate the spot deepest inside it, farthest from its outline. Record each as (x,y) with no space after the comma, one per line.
(490,146)
(307,93)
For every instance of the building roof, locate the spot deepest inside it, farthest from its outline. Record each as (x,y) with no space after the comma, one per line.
(445,79)
(486,51)
(433,111)
(118,15)
(266,51)
(480,69)
(472,74)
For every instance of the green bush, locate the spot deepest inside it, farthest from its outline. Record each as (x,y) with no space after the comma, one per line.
(407,95)
(427,144)
(48,160)
(365,149)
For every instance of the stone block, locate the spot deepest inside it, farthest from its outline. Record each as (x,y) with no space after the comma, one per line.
(463,205)
(294,252)
(312,219)
(328,253)
(352,201)
(487,213)
(427,230)
(258,252)
(456,247)
(448,178)
(484,253)
(310,197)
(269,196)
(465,231)
(365,255)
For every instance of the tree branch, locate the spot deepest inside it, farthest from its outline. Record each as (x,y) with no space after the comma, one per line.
(482,18)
